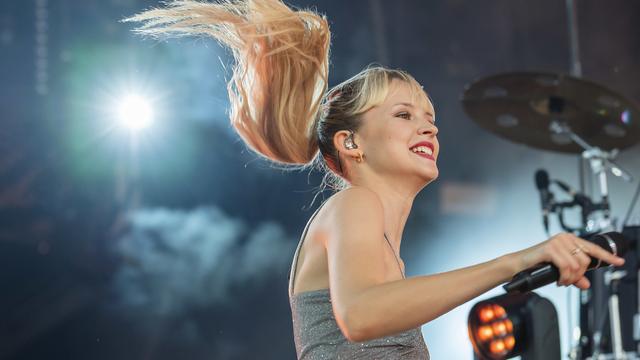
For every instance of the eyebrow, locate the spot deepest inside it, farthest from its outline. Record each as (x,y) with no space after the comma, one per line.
(411,106)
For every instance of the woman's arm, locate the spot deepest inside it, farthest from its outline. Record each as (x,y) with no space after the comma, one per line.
(400,305)
(366,307)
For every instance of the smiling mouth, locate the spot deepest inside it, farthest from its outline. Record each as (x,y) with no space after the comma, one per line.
(425,151)
(424,155)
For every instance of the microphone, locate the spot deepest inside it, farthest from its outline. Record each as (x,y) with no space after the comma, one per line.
(546,273)
(542,183)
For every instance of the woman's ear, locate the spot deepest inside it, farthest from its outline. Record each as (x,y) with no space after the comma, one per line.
(346,143)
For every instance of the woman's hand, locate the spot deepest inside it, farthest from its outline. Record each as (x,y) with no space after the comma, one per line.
(570,254)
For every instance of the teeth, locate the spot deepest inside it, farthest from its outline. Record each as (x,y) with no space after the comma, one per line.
(423,149)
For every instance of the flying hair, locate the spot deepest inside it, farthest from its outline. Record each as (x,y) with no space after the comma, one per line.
(280,73)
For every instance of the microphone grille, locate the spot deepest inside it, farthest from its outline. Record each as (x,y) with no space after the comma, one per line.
(542,179)
(622,244)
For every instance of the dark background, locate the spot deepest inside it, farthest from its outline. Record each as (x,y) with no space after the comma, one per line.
(175,242)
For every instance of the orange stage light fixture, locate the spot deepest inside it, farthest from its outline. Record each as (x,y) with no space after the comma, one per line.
(513,325)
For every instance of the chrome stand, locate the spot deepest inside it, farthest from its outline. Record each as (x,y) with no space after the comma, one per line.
(602,162)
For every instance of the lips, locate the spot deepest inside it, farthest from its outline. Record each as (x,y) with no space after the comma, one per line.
(425,144)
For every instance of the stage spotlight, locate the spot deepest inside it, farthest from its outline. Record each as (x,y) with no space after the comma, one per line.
(134,112)
(513,325)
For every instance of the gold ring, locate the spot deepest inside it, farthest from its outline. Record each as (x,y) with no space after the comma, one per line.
(576,250)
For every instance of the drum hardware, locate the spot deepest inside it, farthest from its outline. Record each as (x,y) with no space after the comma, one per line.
(561,113)
(601,163)
(612,280)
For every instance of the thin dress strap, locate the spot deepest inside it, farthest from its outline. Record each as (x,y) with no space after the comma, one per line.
(292,272)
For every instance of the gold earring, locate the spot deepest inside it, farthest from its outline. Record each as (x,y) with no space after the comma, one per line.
(360,158)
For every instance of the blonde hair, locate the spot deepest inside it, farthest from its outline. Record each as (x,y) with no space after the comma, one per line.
(281,69)
(343,107)
(278,93)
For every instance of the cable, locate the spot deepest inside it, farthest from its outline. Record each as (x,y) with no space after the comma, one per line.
(634,200)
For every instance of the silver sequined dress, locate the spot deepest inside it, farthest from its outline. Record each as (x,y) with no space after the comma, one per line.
(317,335)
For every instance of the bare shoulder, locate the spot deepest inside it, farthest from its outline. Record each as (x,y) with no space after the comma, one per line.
(337,233)
(354,245)
(354,204)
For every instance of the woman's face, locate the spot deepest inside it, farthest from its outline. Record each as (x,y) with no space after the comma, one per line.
(399,136)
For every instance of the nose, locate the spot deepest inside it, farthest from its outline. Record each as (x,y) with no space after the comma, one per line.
(428,128)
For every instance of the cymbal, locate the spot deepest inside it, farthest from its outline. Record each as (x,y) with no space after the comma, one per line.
(521,107)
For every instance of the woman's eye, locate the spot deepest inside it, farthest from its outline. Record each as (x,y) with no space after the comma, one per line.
(404,115)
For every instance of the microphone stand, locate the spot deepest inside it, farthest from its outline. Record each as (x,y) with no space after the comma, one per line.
(601,163)
(612,280)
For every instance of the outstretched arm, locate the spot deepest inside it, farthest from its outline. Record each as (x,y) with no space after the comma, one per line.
(366,307)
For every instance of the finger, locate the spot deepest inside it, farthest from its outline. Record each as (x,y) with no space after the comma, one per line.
(584,261)
(583,283)
(600,253)
(567,266)
(580,255)
(576,269)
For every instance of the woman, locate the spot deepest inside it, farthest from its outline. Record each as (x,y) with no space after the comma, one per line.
(375,135)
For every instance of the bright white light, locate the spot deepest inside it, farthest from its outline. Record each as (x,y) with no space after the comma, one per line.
(135,112)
